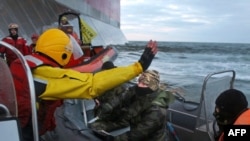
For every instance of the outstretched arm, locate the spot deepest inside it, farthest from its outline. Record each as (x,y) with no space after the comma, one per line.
(88,85)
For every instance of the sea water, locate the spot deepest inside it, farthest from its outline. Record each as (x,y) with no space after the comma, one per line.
(186,64)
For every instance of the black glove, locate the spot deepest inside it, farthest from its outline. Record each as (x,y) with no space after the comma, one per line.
(148,55)
(146,58)
(103,135)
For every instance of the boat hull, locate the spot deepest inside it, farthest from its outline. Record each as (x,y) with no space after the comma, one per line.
(94,63)
(36,16)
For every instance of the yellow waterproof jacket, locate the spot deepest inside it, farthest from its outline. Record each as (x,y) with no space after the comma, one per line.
(67,83)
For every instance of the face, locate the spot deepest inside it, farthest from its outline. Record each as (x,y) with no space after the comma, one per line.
(13,31)
(217,110)
(69,30)
(142,85)
(34,40)
(221,118)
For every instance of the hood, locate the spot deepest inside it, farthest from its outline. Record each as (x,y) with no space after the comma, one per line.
(164,98)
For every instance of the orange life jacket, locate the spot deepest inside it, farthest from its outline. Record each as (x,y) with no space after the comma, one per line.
(243,119)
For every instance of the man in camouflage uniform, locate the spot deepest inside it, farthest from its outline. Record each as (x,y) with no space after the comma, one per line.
(146,114)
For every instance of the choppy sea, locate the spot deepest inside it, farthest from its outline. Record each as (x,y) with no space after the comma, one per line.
(186,64)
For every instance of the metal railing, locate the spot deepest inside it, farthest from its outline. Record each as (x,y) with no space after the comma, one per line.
(31,87)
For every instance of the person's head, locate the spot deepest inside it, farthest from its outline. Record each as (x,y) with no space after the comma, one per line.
(229,105)
(64,20)
(13,28)
(60,47)
(108,65)
(150,79)
(34,38)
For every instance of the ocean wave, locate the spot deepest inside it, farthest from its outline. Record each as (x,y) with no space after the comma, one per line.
(193,47)
(187,64)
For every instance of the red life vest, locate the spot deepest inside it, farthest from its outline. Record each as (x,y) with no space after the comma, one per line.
(243,119)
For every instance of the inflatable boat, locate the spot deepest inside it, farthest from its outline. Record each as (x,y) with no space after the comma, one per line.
(187,120)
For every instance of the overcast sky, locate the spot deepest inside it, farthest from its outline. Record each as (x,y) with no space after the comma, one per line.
(186,20)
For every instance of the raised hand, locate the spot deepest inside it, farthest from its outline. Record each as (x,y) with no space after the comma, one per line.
(148,54)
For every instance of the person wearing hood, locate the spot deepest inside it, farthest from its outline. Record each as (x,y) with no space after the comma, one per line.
(146,113)
(231,108)
(15,40)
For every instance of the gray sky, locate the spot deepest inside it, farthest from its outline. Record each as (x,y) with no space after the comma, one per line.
(186,20)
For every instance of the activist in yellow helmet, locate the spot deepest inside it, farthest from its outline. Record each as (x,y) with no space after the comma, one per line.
(53,82)
(62,49)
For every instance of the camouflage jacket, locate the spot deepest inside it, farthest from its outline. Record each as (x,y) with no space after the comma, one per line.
(112,101)
(146,116)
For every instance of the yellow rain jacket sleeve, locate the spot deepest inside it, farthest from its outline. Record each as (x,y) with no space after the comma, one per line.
(67,84)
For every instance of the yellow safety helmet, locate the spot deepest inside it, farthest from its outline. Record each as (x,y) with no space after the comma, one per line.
(58,46)
(13,25)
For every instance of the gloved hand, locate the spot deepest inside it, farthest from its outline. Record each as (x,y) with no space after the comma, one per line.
(103,135)
(148,54)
